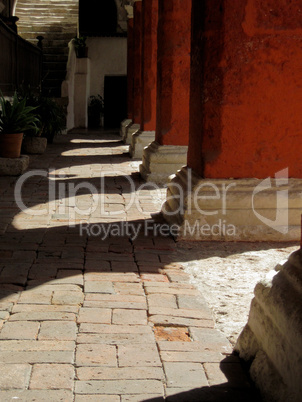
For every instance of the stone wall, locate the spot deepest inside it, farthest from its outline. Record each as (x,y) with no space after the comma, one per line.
(272,338)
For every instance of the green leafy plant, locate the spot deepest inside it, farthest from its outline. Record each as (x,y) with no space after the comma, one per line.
(17,116)
(51,115)
(79,41)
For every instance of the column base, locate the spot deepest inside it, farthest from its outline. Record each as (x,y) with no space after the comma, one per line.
(124,124)
(129,131)
(272,338)
(233,210)
(161,161)
(140,140)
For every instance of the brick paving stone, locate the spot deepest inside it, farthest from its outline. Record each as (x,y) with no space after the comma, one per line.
(181,375)
(114,387)
(32,345)
(129,288)
(115,329)
(95,315)
(170,290)
(97,266)
(20,330)
(115,339)
(211,338)
(189,302)
(14,376)
(37,395)
(35,297)
(129,317)
(172,334)
(62,297)
(44,308)
(9,356)
(98,287)
(120,373)
(139,398)
(193,357)
(180,321)
(70,276)
(178,277)
(228,374)
(185,313)
(58,330)
(159,300)
(112,277)
(120,266)
(154,278)
(96,355)
(138,356)
(4,315)
(97,398)
(52,376)
(41,316)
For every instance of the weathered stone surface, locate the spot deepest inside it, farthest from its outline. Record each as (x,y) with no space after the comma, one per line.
(119,386)
(34,145)
(13,167)
(182,375)
(129,317)
(52,376)
(20,330)
(38,395)
(121,373)
(99,287)
(115,339)
(96,355)
(138,356)
(58,330)
(14,376)
(95,315)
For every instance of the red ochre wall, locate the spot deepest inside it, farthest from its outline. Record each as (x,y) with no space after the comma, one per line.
(246,88)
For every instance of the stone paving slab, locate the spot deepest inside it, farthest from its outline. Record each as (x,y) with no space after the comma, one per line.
(113,319)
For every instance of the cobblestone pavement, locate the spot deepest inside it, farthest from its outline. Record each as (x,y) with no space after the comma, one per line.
(90,309)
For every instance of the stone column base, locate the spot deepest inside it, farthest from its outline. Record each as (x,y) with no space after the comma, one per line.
(124,125)
(140,140)
(161,161)
(13,166)
(129,131)
(233,209)
(272,338)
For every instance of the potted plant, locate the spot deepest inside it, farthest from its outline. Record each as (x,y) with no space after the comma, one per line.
(95,110)
(80,46)
(52,120)
(16,117)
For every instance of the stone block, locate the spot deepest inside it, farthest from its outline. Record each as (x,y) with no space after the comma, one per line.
(13,166)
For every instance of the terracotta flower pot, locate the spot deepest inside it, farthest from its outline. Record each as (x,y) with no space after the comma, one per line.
(10,145)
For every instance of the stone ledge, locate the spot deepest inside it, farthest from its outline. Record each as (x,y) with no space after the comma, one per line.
(140,140)
(129,131)
(233,208)
(124,125)
(161,161)
(13,166)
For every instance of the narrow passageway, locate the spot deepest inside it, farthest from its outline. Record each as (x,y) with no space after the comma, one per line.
(95,305)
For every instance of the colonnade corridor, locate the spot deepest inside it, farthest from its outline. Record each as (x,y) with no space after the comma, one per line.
(95,305)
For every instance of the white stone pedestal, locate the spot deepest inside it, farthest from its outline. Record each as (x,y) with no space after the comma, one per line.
(81,92)
(272,338)
(124,125)
(234,210)
(161,161)
(141,140)
(129,131)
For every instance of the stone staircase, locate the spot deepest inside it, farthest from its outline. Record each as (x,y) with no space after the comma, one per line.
(57,22)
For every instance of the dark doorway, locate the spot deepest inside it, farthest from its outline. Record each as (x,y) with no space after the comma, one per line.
(115,99)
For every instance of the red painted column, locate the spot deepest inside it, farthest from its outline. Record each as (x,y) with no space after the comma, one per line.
(246,118)
(130,68)
(149,66)
(173,85)
(137,84)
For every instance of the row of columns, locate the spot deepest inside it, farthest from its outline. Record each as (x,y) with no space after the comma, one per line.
(204,84)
